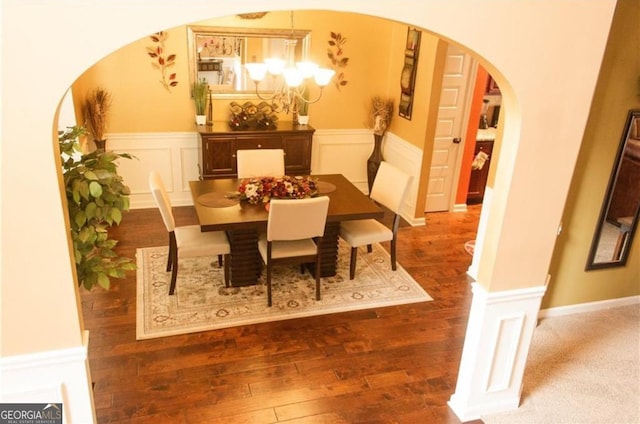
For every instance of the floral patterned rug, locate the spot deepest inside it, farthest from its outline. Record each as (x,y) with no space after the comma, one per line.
(201,302)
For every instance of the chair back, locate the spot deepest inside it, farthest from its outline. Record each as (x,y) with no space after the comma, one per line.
(260,163)
(161,197)
(390,186)
(297,219)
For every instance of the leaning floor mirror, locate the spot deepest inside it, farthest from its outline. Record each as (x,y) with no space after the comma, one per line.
(621,206)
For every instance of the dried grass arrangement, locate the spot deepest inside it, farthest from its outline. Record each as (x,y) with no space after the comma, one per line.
(95,113)
(380,114)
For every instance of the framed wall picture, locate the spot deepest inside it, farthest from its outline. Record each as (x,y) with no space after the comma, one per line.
(408,74)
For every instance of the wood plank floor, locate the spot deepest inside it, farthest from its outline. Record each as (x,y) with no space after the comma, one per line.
(388,365)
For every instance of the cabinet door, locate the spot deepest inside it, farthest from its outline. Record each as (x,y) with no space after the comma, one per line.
(297,159)
(478,180)
(218,157)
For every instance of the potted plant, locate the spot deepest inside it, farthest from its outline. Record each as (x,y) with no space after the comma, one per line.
(200,89)
(96,199)
(95,112)
(303,105)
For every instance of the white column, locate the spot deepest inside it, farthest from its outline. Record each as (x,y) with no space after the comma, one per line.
(495,351)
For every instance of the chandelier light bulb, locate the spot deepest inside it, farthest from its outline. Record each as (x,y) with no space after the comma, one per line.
(323,76)
(257,71)
(275,66)
(307,68)
(293,77)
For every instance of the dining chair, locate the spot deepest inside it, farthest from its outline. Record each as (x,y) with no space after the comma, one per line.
(294,234)
(187,241)
(390,187)
(260,163)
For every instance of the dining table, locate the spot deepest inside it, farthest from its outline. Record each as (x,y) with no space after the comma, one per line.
(219,208)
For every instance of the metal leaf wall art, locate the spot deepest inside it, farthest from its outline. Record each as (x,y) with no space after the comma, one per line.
(162,61)
(335,52)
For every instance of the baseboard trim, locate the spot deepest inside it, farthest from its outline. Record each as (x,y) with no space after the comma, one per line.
(589,307)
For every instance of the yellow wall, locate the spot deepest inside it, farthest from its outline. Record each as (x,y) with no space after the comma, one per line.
(616,93)
(375,61)
(142,104)
(39,302)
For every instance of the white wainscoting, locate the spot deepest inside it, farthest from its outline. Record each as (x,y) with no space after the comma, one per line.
(57,376)
(499,332)
(175,157)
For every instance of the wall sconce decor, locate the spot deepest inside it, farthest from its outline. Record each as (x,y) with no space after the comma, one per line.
(288,79)
(408,74)
(162,61)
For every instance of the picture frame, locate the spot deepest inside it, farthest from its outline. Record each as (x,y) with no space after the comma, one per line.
(408,73)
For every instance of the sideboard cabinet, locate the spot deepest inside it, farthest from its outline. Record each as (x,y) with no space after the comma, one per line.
(218,144)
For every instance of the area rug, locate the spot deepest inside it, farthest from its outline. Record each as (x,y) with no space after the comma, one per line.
(202,303)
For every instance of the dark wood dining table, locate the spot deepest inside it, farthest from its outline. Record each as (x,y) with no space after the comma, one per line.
(218,210)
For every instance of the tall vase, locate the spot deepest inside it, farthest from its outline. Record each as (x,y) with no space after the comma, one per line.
(373,163)
(100,144)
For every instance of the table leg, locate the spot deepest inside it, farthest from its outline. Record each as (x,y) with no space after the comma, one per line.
(246,263)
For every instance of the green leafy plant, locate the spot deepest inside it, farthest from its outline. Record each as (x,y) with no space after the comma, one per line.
(303,101)
(200,89)
(96,198)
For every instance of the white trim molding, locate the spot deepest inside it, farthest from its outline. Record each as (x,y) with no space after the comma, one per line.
(58,376)
(494,355)
(346,152)
(334,151)
(589,307)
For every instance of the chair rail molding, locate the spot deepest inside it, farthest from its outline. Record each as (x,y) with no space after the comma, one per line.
(334,151)
(346,152)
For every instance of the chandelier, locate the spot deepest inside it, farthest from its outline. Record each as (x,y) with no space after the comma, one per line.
(289,79)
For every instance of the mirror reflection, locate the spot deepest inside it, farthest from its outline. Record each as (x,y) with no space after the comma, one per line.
(219,54)
(620,209)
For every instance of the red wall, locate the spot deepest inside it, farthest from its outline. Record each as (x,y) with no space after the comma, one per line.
(482,78)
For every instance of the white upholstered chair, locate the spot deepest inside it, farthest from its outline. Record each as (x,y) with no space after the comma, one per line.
(389,189)
(187,241)
(260,163)
(294,231)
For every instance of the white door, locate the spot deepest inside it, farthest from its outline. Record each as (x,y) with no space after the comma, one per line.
(452,118)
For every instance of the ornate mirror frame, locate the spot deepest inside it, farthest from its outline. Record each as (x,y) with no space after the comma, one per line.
(620,210)
(229,49)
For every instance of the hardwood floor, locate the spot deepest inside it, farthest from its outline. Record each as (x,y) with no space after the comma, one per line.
(388,365)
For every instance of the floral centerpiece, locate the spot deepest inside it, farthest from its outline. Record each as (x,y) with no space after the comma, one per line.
(262,189)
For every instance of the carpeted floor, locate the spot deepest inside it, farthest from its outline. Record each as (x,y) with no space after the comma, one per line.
(582,368)
(201,302)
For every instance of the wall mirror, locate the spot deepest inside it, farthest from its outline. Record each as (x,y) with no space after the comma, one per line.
(219,54)
(621,206)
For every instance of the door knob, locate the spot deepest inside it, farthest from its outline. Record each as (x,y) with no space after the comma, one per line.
(457,140)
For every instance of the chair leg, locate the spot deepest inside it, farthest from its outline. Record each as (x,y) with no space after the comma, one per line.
(220,260)
(352,265)
(318,270)
(172,247)
(174,271)
(393,254)
(369,248)
(226,270)
(268,284)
